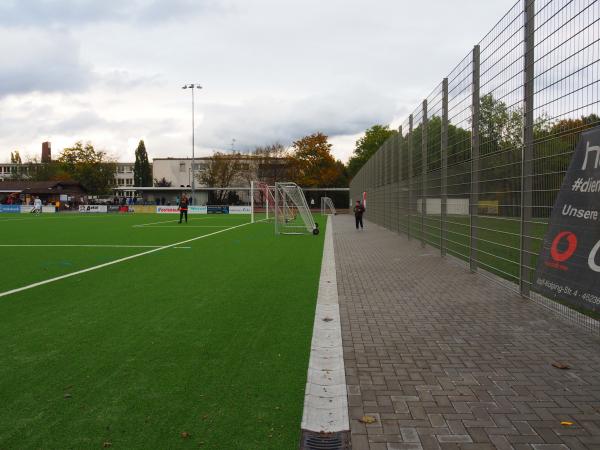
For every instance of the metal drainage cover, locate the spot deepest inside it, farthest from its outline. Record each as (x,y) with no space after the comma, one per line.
(325,441)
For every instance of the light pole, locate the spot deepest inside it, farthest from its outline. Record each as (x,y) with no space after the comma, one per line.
(193,87)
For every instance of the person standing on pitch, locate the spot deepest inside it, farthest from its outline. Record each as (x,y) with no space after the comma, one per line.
(183,208)
(359,209)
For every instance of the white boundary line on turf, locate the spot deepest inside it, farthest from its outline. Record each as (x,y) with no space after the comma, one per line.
(183,226)
(325,398)
(81,245)
(116,261)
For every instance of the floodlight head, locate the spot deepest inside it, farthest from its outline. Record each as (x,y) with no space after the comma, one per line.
(184,87)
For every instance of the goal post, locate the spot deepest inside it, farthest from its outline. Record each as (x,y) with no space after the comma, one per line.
(292,214)
(262,200)
(327,206)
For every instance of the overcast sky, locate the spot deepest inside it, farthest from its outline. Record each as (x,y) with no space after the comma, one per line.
(111,71)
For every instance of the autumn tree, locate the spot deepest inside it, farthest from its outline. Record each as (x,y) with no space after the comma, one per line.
(92,168)
(15,157)
(367,145)
(272,163)
(220,170)
(142,171)
(313,164)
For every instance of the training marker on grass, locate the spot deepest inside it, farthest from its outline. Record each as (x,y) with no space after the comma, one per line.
(325,418)
(116,261)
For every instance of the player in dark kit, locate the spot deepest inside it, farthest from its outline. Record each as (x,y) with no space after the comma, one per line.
(183,208)
(358,213)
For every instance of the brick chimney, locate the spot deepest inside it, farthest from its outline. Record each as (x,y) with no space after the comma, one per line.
(46,152)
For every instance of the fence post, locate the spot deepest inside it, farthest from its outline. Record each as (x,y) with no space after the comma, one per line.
(423,172)
(444,174)
(527,152)
(399,156)
(474,199)
(410,169)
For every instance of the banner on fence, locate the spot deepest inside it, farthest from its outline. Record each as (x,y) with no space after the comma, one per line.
(240,210)
(93,208)
(175,210)
(10,208)
(568,266)
(217,209)
(143,208)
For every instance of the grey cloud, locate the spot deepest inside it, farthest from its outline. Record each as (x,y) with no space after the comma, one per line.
(33,60)
(80,12)
(266,120)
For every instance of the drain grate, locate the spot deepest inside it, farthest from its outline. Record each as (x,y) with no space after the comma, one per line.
(325,441)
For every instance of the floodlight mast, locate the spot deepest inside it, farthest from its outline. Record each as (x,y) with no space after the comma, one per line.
(193,87)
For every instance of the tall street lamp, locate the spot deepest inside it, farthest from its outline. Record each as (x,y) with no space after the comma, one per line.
(193,87)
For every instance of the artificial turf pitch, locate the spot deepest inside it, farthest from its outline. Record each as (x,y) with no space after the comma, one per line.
(200,345)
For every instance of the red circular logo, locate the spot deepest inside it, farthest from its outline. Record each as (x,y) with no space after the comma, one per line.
(566,254)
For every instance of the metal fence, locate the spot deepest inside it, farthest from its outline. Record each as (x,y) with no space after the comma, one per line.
(475,169)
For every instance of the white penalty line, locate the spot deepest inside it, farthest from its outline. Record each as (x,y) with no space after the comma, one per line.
(183,226)
(116,261)
(81,245)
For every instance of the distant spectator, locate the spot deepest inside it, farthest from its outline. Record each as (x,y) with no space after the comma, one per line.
(183,208)
(359,209)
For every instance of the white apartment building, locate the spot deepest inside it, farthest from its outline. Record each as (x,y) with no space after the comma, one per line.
(123,175)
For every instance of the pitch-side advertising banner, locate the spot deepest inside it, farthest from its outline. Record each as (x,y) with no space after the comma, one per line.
(175,209)
(93,208)
(240,210)
(569,263)
(10,209)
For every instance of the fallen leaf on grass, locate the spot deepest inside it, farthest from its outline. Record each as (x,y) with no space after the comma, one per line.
(67,395)
(368,419)
(566,423)
(107,444)
(560,365)
(185,435)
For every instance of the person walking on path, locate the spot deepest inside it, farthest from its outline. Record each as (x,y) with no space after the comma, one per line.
(359,209)
(183,208)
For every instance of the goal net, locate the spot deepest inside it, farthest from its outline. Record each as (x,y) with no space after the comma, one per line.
(327,207)
(292,214)
(262,201)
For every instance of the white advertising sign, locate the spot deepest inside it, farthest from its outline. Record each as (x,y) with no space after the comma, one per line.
(240,210)
(49,209)
(93,208)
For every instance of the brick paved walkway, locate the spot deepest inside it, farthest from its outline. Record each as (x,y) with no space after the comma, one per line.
(447,359)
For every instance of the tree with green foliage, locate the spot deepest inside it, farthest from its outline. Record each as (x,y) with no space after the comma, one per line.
(92,168)
(367,145)
(142,171)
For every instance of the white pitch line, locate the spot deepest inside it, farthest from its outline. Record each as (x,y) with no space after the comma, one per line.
(116,261)
(152,223)
(183,226)
(9,220)
(81,245)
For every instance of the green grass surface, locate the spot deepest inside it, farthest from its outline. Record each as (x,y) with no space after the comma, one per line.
(211,340)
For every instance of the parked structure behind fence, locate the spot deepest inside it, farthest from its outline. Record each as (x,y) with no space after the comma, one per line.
(474,171)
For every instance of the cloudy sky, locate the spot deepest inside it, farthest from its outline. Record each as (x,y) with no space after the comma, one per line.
(111,71)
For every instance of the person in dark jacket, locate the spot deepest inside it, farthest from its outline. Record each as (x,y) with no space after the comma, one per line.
(183,208)
(359,209)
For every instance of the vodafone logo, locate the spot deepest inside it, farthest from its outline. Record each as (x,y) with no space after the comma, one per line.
(561,256)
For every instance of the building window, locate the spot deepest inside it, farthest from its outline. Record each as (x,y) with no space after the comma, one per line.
(120,169)
(129,169)
(182,167)
(129,182)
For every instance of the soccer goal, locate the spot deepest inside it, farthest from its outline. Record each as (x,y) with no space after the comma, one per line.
(327,206)
(292,214)
(262,201)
